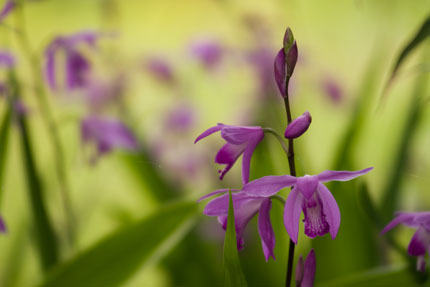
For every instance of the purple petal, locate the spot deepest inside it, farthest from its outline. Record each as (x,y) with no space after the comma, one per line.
(209,131)
(299,271)
(269,185)
(246,161)
(309,270)
(6,59)
(77,68)
(239,135)
(2,225)
(291,59)
(330,209)
(50,69)
(265,229)
(280,73)
(224,190)
(400,218)
(329,175)
(208,51)
(228,155)
(298,126)
(160,68)
(307,185)
(420,242)
(7,8)
(292,211)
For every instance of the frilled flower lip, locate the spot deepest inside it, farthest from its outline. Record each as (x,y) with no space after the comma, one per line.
(240,140)
(245,207)
(307,189)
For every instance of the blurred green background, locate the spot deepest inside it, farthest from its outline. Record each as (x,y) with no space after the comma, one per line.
(349,46)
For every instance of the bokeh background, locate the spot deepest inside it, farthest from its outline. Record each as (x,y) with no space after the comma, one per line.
(170,69)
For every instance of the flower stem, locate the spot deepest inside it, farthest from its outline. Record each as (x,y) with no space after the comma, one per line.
(278,137)
(48,119)
(290,155)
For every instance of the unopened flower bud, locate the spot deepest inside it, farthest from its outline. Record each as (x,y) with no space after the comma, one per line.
(285,62)
(298,126)
(299,271)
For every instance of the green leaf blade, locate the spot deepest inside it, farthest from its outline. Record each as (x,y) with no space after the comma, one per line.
(233,274)
(114,259)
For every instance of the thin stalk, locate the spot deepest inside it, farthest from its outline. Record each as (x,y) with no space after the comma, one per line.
(278,137)
(291,163)
(48,119)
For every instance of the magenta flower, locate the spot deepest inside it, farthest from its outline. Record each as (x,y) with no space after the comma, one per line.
(240,140)
(298,126)
(420,242)
(2,225)
(305,274)
(77,66)
(309,195)
(107,134)
(208,51)
(245,207)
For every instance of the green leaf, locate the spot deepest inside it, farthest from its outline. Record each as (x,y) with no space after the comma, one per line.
(4,136)
(393,276)
(422,34)
(233,274)
(116,257)
(45,236)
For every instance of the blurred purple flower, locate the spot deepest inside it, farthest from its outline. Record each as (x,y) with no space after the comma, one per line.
(245,207)
(180,118)
(332,89)
(309,195)
(298,126)
(208,51)
(77,66)
(7,60)
(240,140)
(305,274)
(107,134)
(7,8)
(101,92)
(2,225)
(160,69)
(420,242)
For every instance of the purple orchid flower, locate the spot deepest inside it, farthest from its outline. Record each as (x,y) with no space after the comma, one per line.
(2,225)
(7,60)
(180,118)
(208,51)
(240,140)
(305,273)
(298,126)
(420,242)
(309,195)
(107,134)
(77,66)
(245,207)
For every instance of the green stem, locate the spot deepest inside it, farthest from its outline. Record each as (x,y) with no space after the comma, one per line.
(278,137)
(291,163)
(48,119)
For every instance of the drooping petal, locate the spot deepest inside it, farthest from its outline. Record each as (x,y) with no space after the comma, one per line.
(280,72)
(246,160)
(228,155)
(292,211)
(400,218)
(224,190)
(298,126)
(238,135)
(420,242)
(209,131)
(330,209)
(329,175)
(309,270)
(265,229)
(269,185)
(307,185)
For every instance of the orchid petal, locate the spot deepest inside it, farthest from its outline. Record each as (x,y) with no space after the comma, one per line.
(269,185)
(292,211)
(419,242)
(329,175)
(309,270)
(330,209)
(400,218)
(280,72)
(246,160)
(265,229)
(228,155)
(209,131)
(307,185)
(239,135)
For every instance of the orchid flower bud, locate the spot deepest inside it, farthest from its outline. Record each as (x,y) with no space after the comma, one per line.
(299,271)
(298,126)
(285,62)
